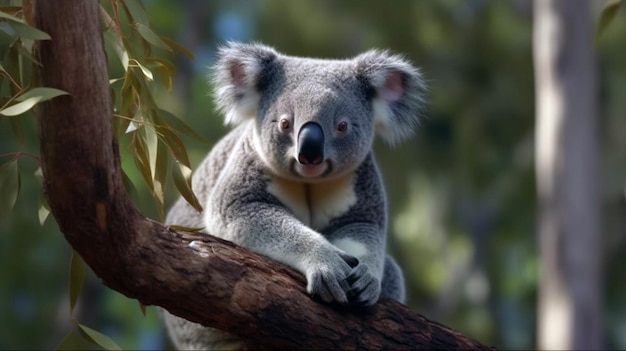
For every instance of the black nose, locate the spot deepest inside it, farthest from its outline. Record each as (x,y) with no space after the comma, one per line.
(311,144)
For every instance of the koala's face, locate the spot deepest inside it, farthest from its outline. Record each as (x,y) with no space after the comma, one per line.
(314,129)
(316,119)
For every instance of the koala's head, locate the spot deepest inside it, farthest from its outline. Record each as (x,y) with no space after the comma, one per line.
(316,119)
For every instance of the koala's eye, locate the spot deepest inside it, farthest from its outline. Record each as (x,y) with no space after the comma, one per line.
(342,127)
(284,124)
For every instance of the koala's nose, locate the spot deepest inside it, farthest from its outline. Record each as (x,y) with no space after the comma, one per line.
(311,144)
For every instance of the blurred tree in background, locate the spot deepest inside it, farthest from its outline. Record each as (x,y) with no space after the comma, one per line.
(463,221)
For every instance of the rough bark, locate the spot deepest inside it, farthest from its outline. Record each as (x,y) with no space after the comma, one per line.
(195,276)
(570,290)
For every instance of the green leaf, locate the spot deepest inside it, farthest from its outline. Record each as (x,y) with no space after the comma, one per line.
(24,51)
(45,93)
(152,142)
(169,67)
(17,129)
(143,308)
(113,39)
(141,158)
(30,99)
(179,126)
(160,177)
(98,338)
(8,36)
(6,16)
(76,279)
(163,68)
(127,95)
(44,210)
(128,185)
(183,50)
(176,146)
(26,31)
(135,123)
(182,180)
(136,11)
(9,185)
(72,341)
(608,12)
(146,72)
(21,107)
(151,37)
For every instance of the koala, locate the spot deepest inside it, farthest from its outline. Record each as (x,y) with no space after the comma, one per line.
(295,179)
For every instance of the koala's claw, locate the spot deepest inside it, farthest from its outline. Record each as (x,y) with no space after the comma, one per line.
(364,287)
(328,287)
(350,260)
(328,279)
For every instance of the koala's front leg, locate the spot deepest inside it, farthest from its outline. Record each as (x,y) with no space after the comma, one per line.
(367,243)
(271,230)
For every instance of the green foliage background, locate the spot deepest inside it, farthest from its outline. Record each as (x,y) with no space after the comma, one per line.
(461,192)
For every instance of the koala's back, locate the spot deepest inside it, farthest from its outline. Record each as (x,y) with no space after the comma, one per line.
(204,178)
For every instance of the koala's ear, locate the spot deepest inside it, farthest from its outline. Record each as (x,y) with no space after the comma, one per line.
(237,79)
(397,88)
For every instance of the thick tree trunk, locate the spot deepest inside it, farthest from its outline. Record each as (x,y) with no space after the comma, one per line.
(570,290)
(195,276)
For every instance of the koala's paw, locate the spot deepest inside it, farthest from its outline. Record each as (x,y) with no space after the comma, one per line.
(327,277)
(364,287)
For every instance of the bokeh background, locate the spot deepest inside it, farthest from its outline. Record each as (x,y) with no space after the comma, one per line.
(461,192)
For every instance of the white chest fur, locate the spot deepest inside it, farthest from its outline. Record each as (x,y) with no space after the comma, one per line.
(315,204)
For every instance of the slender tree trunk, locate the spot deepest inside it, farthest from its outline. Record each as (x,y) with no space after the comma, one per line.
(195,276)
(570,287)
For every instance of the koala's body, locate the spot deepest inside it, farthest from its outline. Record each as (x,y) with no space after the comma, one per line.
(296,179)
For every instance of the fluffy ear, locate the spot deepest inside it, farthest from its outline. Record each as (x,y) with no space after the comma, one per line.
(397,98)
(237,79)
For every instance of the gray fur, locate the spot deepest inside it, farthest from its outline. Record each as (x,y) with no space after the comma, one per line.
(327,219)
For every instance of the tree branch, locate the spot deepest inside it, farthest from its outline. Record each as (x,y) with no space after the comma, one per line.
(192,275)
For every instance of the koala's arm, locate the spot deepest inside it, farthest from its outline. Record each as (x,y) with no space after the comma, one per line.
(240,209)
(361,232)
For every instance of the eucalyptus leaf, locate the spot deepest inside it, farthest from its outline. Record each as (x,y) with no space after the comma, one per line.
(152,142)
(169,67)
(112,38)
(43,209)
(25,31)
(77,277)
(165,76)
(17,129)
(142,307)
(136,11)
(21,107)
(183,50)
(98,338)
(151,37)
(608,12)
(146,72)
(45,93)
(7,35)
(25,52)
(176,146)
(128,185)
(160,177)
(182,180)
(179,126)
(72,341)
(6,16)
(30,99)
(9,185)
(140,156)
